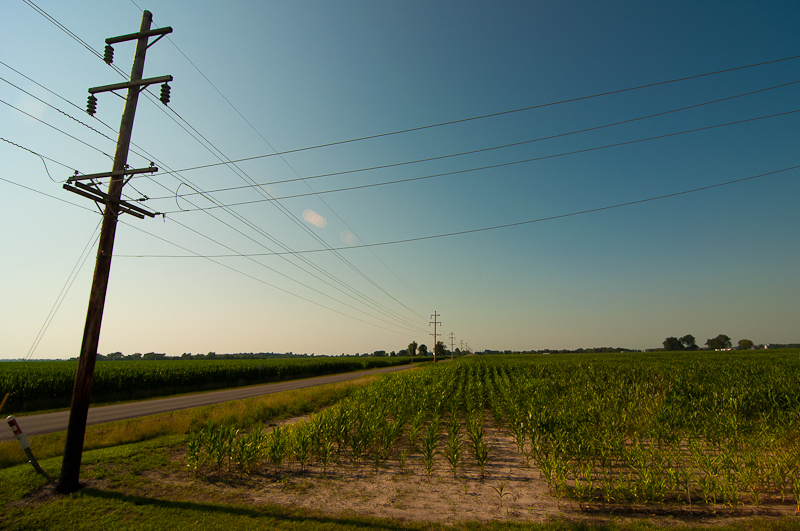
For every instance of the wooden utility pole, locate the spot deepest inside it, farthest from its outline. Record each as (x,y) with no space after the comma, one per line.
(76,429)
(435,335)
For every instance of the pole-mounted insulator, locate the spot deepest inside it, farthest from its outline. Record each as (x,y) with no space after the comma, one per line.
(91,105)
(164,94)
(108,56)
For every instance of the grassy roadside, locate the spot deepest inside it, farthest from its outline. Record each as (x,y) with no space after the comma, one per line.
(241,413)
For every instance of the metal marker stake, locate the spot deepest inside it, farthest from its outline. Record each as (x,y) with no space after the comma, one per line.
(26,447)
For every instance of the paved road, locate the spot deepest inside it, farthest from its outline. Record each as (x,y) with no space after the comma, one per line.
(52,422)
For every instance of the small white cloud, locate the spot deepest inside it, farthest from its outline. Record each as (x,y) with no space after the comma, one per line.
(314,218)
(347,237)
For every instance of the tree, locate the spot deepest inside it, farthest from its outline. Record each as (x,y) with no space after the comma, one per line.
(115,356)
(423,350)
(412,348)
(745,344)
(439,349)
(720,342)
(689,342)
(672,344)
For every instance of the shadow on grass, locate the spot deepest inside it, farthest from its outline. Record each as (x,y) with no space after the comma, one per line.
(265,511)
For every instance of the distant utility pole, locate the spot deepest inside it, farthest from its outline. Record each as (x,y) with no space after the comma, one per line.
(434,334)
(76,429)
(452,347)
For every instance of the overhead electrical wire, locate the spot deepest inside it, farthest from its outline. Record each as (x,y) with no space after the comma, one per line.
(284,275)
(184,121)
(366,299)
(501,113)
(501,164)
(65,289)
(483,116)
(503,226)
(57,305)
(38,155)
(57,129)
(257,279)
(341,258)
(472,151)
(74,275)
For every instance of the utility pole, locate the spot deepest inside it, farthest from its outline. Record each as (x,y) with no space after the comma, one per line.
(76,429)
(452,346)
(434,334)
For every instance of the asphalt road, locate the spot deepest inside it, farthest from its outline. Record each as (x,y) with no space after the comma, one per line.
(53,422)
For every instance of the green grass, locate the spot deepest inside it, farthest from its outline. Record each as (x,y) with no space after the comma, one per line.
(239,413)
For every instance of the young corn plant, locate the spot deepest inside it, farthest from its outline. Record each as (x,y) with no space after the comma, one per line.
(500,491)
(430,443)
(301,445)
(402,457)
(415,429)
(453,450)
(217,444)
(324,455)
(795,486)
(194,452)
(277,446)
(246,451)
(584,483)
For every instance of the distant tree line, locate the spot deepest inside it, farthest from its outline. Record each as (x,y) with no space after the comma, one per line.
(422,350)
(593,350)
(721,342)
(118,356)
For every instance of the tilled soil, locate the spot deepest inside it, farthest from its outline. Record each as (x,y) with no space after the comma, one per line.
(509,490)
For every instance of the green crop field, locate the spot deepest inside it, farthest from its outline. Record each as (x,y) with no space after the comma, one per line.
(43,385)
(703,430)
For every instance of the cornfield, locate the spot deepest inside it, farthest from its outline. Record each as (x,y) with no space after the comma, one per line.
(44,385)
(695,429)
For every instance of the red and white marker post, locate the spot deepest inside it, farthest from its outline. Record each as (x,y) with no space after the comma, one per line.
(26,447)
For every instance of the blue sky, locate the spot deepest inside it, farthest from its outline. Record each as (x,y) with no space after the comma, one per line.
(253,78)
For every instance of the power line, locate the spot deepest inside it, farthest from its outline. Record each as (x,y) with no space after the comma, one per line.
(38,155)
(501,113)
(63,28)
(57,129)
(214,261)
(481,150)
(505,164)
(368,301)
(504,226)
(56,109)
(261,191)
(286,276)
(65,290)
(138,151)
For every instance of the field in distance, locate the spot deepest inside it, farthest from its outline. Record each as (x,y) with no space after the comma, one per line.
(36,386)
